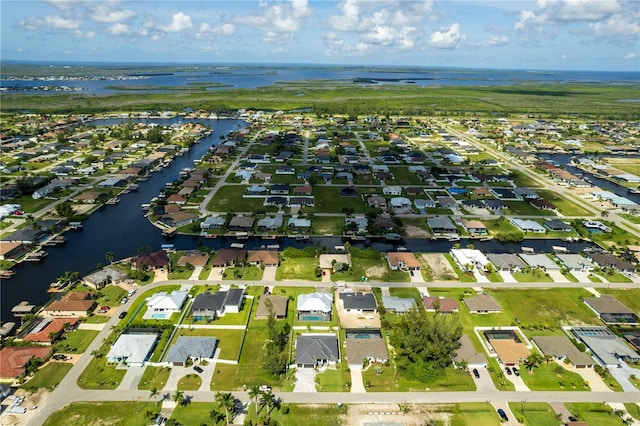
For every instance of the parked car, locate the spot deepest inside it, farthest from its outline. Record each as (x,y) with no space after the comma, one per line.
(124,300)
(265,388)
(105,308)
(198,369)
(476,374)
(102,311)
(515,371)
(122,314)
(508,370)
(266,289)
(503,415)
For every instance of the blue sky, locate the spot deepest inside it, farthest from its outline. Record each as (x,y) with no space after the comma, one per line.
(543,34)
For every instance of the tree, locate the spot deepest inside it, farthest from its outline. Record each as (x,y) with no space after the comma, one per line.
(110,256)
(215,415)
(532,361)
(225,399)
(178,396)
(154,393)
(425,344)
(65,209)
(268,398)
(254,393)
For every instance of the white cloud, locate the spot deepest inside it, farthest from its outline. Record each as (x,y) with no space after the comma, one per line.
(84,34)
(579,10)
(447,38)
(102,13)
(206,31)
(119,29)
(179,22)
(494,41)
(51,22)
(280,18)
(65,4)
(617,25)
(631,55)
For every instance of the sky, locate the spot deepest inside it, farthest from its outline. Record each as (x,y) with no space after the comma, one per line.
(601,35)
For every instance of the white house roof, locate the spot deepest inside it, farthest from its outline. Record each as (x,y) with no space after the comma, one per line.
(164,301)
(315,302)
(469,256)
(134,348)
(400,202)
(538,260)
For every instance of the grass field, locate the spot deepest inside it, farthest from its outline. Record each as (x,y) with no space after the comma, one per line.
(76,341)
(107,413)
(297,269)
(154,377)
(534,413)
(593,413)
(48,376)
(313,415)
(552,377)
(383,381)
(228,198)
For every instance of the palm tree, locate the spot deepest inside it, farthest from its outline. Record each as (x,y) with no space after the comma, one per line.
(154,393)
(269,398)
(216,416)
(533,361)
(110,256)
(178,396)
(254,393)
(225,399)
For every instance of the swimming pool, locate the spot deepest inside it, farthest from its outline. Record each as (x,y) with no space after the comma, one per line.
(159,316)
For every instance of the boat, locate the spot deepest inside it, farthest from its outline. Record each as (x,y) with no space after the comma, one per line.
(75,225)
(133,187)
(112,201)
(401,248)
(237,245)
(6,274)
(392,236)
(169,232)
(242,235)
(302,237)
(6,328)
(358,238)
(146,207)
(36,256)
(58,239)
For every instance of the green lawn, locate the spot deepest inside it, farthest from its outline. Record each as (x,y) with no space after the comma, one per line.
(229,198)
(535,275)
(99,375)
(106,413)
(593,413)
(325,225)
(565,206)
(154,377)
(628,297)
(552,377)
(110,296)
(75,342)
(534,413)
(309,415)
(328,200)
(382,380)
(245,273)
(48,376)
(195,413)
(301,268)
(334,380)
(471,414)
(190,382)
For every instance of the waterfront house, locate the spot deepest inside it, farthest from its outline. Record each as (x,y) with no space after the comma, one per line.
(541,261)
(528,225)
(71,304)
(298,224)
(405,261)
(469,259)
(47,330)
(269,223)
(178,218)
(104,276)
(241,223)
(314,350)
(229,257)
(474,227)
(506,261)
(314,307)
(557,225)
(212,222)
(15,359)
(575,262)
(355,225)
(195,258)
(156,260)
(263,257)
(12,250)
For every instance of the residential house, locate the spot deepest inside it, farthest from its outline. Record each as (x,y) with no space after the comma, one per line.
(608,260)
(314,307)
(469,259)
(12,250)
(104,276)
(166,303)
(132,349)
(359,302)
(314,350)
(562,350)
(195,258)
(212,222)
(71,304)
(443,305)
(398,305)
(156,260)
(178,218)
(191,348)
(541,261)
(299,224)
(442,225)
(528,225)
(506,261)
(392,190)
(47,330)
(270,223)
(355,225)
(474,227)
(229,257)
(241,224)
(15,359)
(209,306)
(279,305)
(482,304)
(373,348)
(611,311)
(557,225)
(606,348)
(263,257)
(575,262)
(405,261)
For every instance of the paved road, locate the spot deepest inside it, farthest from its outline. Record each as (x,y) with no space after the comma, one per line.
(68,390)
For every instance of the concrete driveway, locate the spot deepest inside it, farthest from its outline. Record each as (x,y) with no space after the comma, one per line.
(505,406)
(557,276)
(131,378)
(484,383)
(507,277)
(269,273)
(516,380)
(305,380)
(357,385)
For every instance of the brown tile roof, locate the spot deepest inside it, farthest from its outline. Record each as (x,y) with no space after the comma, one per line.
(228,255)
(55,325)
(268,257)
(408,258)
(446,305)
(14,359)
(194,259)
(153,260)
(73,301)
(280,304)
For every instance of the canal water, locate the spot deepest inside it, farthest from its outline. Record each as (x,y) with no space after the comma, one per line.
(123,230)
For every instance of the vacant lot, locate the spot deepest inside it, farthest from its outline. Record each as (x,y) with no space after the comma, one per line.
(440,267)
